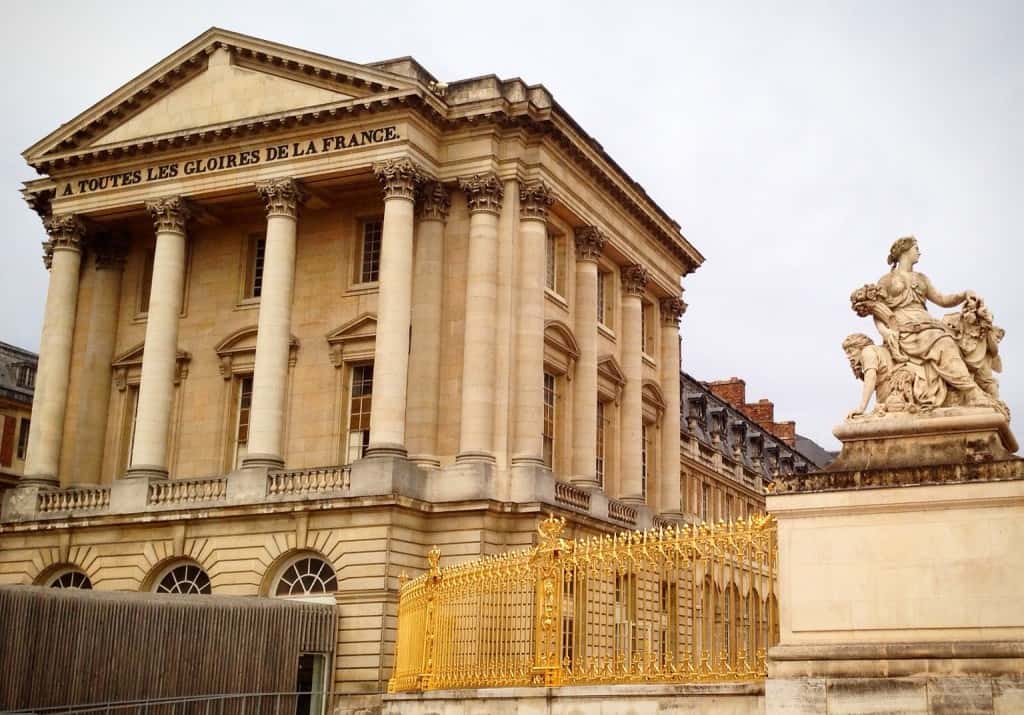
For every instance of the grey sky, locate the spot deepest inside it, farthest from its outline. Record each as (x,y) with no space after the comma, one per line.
(793,142)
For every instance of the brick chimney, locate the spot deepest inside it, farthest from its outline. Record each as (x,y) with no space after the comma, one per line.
(786,431)
(762,412)
(733,391)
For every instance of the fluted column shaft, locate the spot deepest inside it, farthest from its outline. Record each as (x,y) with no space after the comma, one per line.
(669,493)
(63,256)
(484,195)
(265,447)
(425,351)
(634,280)
(399,178)
(160,352)
(528,433)
(87,459)
(589,243)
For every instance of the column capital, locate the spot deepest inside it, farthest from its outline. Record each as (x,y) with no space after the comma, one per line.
(282,196)
(170,214)
(66,232)
(535,198)
(634,279)
(110,255)
(399,177)
(672,310)
(484,192)
(589,242)
(433,201)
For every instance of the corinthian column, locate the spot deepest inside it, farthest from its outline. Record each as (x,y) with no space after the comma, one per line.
(484,193)
(634,280)
(273,336)
(62,254)
(399,178)
(156,391)
(589,243)
(528,427)
(109,258)
(425,351)
(672,310)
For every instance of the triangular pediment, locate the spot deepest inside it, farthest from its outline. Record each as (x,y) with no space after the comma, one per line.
(217,79)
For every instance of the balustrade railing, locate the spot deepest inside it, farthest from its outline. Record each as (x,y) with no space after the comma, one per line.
(184,491)
(672,605)
(622,512)
(571,495)
(78,499)
(305,481)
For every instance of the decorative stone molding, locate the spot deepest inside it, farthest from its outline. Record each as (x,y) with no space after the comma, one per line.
(672,309)
(110,255)
(610,378)
(1003,470)
(433,201)
(66,232)
(237,352)
(484,192)
(399,178)
(561,351)
(535,198)
(128,367)
(355,340)
(634,279)
(653,401)
(590,242)
(282,196)
(170,214)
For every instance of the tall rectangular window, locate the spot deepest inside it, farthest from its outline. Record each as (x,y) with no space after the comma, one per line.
(131,410)
(599,467)
(554,255)
(23,438)
(244,414)
(6,441)
(601,297)
(255,257)
(360,404)
(647,327)
(549,420)
(644,455)
(146,281)
(705,498)
(26,376)
(369,254)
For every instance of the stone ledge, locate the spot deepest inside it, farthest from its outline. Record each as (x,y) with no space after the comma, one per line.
(587,691)
(895,651)
(885,478)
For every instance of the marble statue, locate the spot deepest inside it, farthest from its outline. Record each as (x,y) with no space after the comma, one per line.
(923,362)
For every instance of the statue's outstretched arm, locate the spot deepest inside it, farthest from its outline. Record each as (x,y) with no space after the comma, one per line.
(942,300)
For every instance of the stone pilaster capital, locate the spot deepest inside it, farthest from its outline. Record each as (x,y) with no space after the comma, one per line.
(282,196)
(484,192)
(110,255)
(589,242)
(66,232)
(672,310)
(634,279)
(170,214)
(399,177)
(433,201)
(535,198)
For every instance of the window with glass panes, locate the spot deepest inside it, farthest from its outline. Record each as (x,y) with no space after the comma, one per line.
(554,255)
(644,454)
(705,498)
(599,467)
(23,437)
(257,253)
(601,298)
(244,413)
(369,260)
(647,327)
(549,419)
(360,403)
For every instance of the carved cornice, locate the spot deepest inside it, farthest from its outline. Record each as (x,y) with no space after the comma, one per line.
(883,478)
(282,196)
(66,232)
(434,202)
(399,178)
(110,255)
(535,199)
(589,243)
(634,279)
(170,214)
(484,192)
(672,310)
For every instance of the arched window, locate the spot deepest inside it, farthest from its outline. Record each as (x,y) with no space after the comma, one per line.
(72,578)
(306,576)
(184,578)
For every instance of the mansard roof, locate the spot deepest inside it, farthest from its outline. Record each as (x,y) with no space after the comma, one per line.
(323,89)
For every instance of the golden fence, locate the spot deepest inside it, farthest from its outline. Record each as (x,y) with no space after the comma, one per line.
(688,604)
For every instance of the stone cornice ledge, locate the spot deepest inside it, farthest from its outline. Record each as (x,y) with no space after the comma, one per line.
(886,478)
(586,691)
(899,651)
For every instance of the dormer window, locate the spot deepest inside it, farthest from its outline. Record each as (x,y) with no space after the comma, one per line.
(25,376)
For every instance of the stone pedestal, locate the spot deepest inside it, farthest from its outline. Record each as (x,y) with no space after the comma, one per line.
(901,587)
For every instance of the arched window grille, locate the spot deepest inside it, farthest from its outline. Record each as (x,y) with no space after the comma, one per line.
(185,578)
(307,576)
(71,579)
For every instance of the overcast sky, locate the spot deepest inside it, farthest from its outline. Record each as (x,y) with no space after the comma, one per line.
(792,141)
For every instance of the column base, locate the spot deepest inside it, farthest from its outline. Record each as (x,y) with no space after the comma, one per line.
(471,457)
(425,461)
(39,481)
(146,471)
(521,461)
(676,517)
(633,500)
(386,449)
(585,482)
(262,461)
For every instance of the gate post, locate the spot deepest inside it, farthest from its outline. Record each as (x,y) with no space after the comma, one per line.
(423,682)
(547,630)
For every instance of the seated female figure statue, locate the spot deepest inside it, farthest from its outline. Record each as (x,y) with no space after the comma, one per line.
(913,335)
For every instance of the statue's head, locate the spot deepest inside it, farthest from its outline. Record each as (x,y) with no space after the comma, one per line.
(900,247)
(852,346)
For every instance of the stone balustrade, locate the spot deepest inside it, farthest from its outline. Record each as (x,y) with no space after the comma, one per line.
(622,512)
(185,491)
(571,495)
(76,499)
(315,480)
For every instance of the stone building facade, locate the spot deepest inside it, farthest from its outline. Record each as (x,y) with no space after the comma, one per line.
(307,318)
(17,382)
